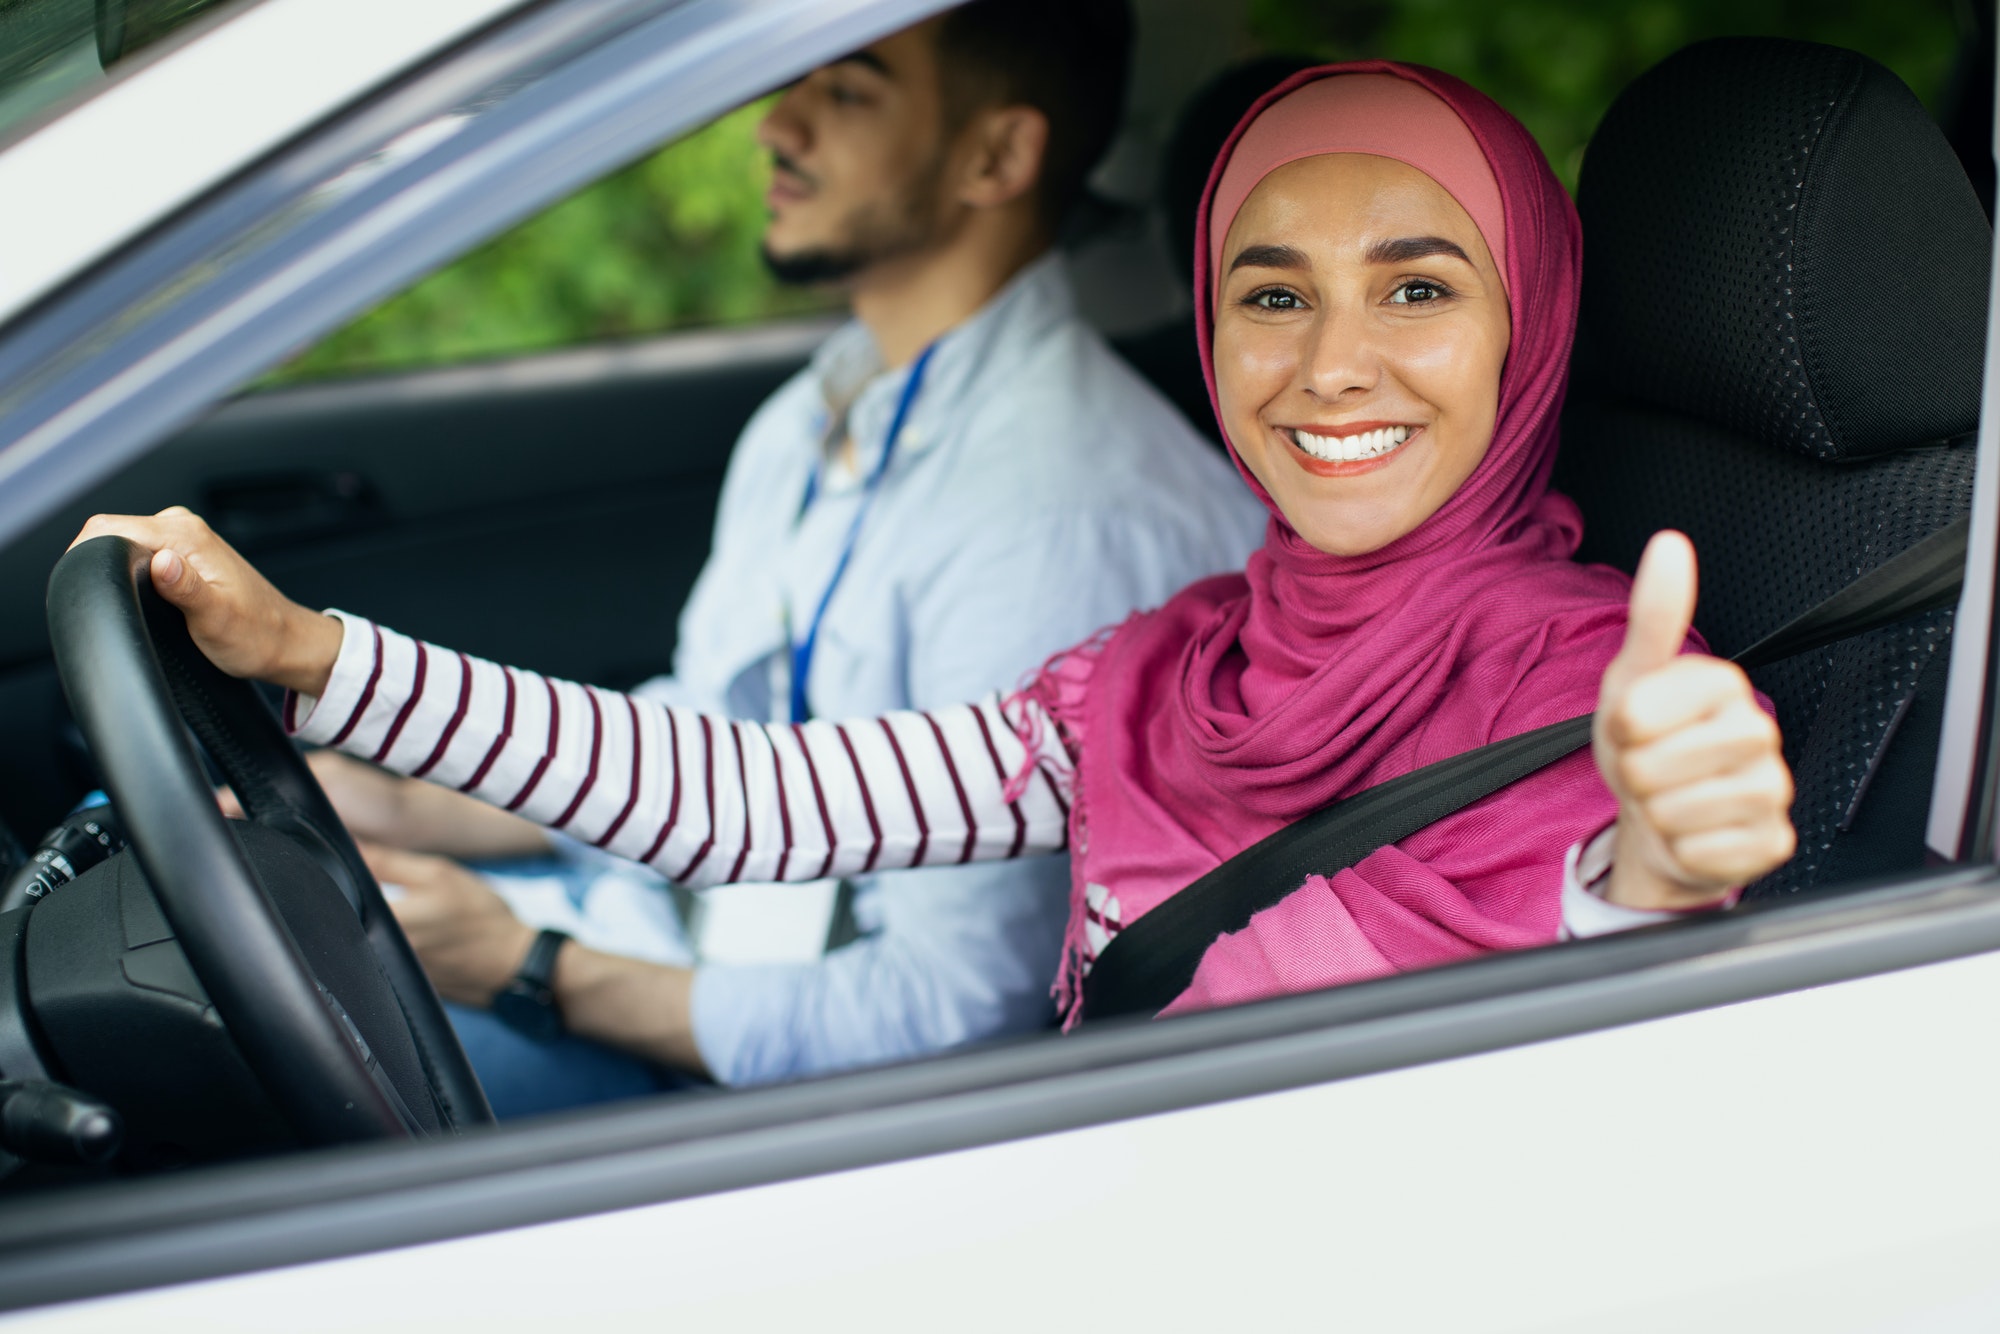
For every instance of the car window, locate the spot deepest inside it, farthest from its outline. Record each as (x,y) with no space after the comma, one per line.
(1558,63)
(553,514)
(389,495)
(54,52)
(669,242)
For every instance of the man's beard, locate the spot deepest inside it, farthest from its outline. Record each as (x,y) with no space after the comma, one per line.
(875,234)
(816,268)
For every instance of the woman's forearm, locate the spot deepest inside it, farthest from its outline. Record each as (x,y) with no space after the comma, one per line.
(704,800)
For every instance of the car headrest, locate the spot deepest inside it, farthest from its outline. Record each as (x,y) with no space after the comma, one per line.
(1778,240)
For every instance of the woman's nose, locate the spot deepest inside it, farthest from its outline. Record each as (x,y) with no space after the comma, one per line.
(1343,358)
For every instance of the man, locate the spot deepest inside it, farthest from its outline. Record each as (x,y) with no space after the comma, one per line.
(963,482)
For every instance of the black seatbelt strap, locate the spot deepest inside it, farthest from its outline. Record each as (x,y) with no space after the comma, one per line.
(1145,966)
(1920,578)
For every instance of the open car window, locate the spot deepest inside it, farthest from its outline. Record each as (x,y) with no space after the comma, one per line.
(498,254)
(670,242)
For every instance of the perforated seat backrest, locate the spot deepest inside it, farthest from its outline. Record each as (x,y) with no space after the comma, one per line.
(1780,351)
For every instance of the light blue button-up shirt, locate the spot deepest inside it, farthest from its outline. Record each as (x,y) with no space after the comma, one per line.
(1041,490)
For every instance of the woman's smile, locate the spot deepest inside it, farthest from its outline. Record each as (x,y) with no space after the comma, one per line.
(1344,451)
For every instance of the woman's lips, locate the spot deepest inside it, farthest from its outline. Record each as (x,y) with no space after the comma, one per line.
(1357,448)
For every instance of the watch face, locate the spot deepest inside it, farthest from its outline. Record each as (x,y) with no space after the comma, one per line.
(528,1011)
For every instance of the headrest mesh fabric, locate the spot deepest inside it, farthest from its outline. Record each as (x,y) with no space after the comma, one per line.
(1823,291)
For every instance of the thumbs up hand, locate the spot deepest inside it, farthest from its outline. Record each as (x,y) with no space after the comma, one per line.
(1704,795)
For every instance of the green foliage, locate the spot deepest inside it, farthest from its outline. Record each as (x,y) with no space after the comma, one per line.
(670,241)
(1557,64)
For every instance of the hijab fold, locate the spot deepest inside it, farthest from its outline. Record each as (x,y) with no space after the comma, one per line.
(1249,701)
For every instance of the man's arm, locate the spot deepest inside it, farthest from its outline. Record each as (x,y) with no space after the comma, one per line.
(471,945)
(408,813)
(630,1004)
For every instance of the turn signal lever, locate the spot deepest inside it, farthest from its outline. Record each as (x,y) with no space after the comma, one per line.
(80,842)
(48,1123)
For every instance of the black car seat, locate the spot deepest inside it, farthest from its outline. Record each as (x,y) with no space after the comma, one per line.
(1780,352)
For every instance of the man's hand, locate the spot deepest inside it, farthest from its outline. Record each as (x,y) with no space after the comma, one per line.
(238,619)
(1704,794)
(471,944)
(467,938)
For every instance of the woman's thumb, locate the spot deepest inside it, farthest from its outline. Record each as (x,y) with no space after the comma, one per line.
(1663,594)
(176,580)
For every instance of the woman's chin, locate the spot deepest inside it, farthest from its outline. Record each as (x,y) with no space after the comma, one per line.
(1354,539)
(1349,526)
(1347,550)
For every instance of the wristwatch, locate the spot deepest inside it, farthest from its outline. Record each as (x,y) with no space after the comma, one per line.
(528,1003)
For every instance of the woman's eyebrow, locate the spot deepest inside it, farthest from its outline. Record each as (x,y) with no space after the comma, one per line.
(1403,249)
(1270,257)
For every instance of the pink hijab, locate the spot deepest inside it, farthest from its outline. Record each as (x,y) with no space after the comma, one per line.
(1250,700)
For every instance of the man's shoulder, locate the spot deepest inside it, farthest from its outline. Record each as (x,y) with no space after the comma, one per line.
(1072,418)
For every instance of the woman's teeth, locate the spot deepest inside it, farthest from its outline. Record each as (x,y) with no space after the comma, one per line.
(1353,448)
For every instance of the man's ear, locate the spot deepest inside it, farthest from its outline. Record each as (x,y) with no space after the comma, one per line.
(1005,148)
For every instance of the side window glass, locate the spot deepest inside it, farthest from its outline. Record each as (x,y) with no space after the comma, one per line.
(670,242)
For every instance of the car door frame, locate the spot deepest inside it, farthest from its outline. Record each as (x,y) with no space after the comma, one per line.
(134,349)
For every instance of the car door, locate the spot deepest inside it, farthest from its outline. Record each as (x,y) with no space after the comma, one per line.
(1763,1119)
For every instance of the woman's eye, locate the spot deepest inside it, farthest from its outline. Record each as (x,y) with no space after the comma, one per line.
(1274,298)
(1419,292)
(844,97)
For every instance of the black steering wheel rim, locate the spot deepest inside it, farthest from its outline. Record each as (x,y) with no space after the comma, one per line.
(133,675)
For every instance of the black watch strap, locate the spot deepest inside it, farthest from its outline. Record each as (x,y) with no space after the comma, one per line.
(538,969)
(527,1004)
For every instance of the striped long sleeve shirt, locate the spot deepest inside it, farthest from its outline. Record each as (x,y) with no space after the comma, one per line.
(702,800)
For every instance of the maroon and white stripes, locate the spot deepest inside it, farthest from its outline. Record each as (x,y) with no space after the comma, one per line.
(702,799)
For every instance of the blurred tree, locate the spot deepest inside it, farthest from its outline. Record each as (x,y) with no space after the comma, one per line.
(1558,63)
(669,241)
(672,240)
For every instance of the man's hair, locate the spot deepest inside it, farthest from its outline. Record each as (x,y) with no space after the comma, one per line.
(1069,59)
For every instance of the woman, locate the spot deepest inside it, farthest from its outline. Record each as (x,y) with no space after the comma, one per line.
(1391,278)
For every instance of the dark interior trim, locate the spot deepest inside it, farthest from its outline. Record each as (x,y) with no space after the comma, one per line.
(99,1240)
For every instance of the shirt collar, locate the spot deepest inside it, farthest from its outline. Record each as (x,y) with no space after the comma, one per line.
(854,387)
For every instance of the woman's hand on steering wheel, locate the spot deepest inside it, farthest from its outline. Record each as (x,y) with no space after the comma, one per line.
(238,619)
(1704,794)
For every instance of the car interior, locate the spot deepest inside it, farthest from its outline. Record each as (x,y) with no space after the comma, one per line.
(1781,352)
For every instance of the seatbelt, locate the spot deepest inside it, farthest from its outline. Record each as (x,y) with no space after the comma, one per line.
(1145,966)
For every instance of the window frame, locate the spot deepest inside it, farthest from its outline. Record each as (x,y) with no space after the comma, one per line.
(128,353)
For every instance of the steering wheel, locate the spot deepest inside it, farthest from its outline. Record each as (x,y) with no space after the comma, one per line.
(340,1025)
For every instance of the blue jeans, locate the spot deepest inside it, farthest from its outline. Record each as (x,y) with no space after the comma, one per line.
(523,1077)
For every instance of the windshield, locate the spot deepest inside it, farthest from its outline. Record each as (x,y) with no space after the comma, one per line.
(55,52)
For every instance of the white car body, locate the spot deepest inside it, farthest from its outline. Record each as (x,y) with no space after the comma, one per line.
(1776,1135)
(1495,1192)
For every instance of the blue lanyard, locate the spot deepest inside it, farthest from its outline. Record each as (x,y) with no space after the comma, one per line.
(802,650)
